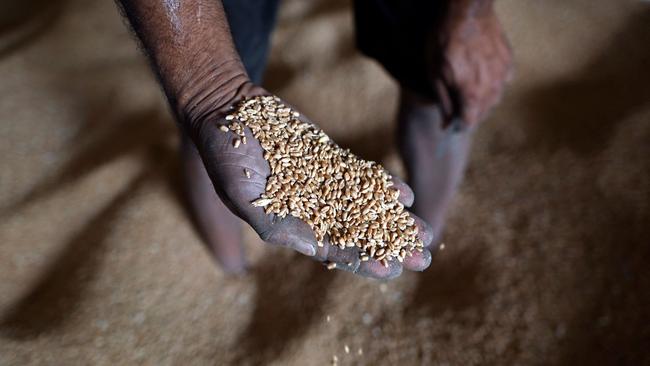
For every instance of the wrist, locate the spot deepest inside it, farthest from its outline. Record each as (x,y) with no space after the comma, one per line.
(209,90)
(211,94)
(191,49)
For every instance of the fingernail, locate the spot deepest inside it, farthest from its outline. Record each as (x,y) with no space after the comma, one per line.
(418,262)
(305,248)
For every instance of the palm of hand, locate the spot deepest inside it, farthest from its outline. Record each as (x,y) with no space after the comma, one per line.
(239,175)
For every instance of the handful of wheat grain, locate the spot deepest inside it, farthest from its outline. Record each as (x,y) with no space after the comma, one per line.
(335,192)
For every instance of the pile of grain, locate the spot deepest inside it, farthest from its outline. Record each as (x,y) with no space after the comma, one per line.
(337,193)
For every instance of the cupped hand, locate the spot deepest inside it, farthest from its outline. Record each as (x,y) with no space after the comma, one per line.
(239,176)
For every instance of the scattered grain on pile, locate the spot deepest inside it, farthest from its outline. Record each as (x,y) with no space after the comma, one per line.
(335,192)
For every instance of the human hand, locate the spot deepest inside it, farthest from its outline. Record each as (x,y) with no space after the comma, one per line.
(239,176)
(471,60)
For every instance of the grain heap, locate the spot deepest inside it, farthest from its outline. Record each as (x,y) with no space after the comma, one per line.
(335,192)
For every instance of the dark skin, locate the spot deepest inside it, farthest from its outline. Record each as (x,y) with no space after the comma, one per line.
(470,63)
(191,49)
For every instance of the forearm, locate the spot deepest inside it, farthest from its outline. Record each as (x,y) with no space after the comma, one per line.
(191,49)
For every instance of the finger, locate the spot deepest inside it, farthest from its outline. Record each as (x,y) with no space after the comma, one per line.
(456,99)
(292,233)
(425,232)
(445,99)
(418,261)
(375,269)
(347,259)
(406,195)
